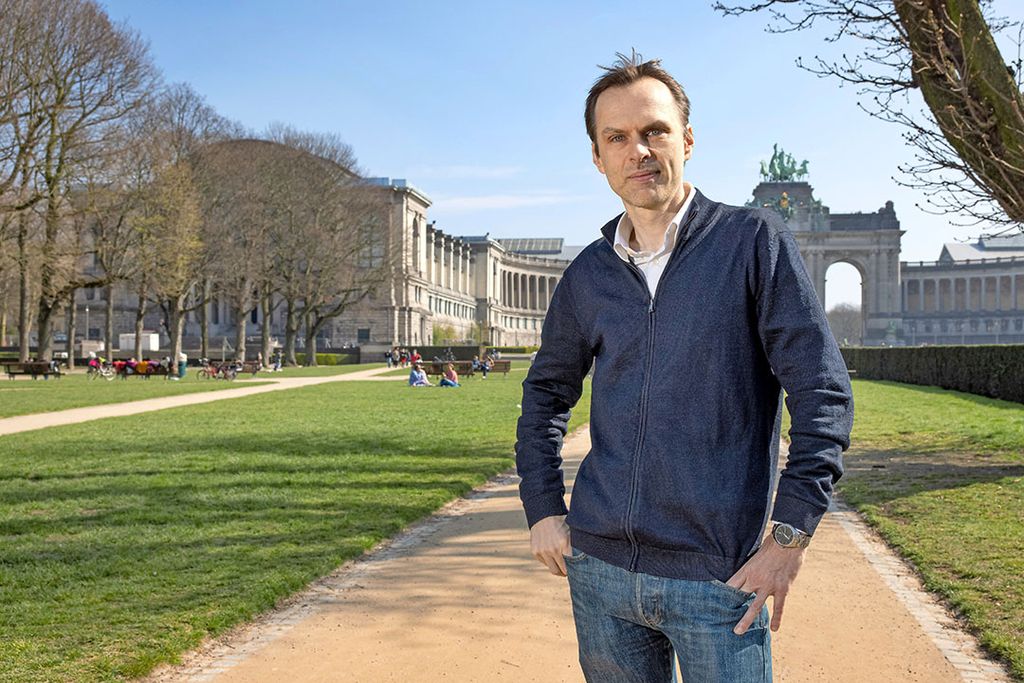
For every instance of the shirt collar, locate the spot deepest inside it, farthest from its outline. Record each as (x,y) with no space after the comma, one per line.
(624,230)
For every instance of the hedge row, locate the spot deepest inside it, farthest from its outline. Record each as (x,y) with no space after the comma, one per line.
(330,358)
(515,349)
(989,370)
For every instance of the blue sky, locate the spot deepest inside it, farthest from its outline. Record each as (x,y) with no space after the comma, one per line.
(480,104)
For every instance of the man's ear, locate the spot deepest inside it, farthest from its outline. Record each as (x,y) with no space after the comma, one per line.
(596,157)
(688,142)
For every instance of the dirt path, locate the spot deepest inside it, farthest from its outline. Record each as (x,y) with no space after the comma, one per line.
(458,598)
(25,423)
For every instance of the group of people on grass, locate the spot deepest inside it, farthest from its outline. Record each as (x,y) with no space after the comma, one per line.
(450,377)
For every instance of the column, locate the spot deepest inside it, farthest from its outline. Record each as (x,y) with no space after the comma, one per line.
(430,255)
(452,265)
(457,252)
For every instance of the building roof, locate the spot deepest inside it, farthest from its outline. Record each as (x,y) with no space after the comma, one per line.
(984,248)
(401,184)
(535,246)
(543,247)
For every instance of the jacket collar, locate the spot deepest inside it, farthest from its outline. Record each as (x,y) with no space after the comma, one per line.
(691,223)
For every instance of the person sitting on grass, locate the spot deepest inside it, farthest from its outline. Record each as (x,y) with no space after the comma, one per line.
(451,378)
(417,377)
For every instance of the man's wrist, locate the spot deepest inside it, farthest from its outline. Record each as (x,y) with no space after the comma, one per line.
(788,536)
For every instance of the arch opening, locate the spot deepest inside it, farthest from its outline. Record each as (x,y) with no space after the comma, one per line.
(845,302)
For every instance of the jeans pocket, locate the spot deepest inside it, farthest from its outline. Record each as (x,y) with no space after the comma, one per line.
(735,592)
(576,556)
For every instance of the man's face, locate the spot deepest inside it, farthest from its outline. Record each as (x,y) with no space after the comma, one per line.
(642,144)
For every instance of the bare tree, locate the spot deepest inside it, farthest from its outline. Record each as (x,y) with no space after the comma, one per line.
(969,146)
(847,324)
(80,74)
(237,177)
(173,222)
(338,254)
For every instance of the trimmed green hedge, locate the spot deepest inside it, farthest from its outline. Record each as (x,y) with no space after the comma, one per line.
(988,370)
(515,349)
(330,358)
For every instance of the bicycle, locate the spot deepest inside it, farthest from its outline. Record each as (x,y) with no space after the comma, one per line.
(104,370)
(207,370)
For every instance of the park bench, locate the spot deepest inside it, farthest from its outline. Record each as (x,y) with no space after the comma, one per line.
(502,366)
(463,367)
(250,367)
(33,368)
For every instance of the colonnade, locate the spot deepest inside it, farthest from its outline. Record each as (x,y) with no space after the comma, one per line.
(1001,292)
(448,262)
(526,292)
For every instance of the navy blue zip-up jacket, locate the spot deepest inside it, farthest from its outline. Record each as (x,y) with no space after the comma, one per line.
(686,399)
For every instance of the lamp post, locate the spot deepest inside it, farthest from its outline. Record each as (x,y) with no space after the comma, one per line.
(87,323)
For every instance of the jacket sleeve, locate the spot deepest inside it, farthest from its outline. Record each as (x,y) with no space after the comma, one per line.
(806,360)
(552,387)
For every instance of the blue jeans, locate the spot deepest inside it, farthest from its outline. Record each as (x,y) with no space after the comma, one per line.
(628,625)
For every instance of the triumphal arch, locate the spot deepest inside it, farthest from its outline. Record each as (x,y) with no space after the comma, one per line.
(870,242)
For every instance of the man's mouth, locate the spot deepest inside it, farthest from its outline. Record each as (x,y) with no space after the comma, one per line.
(644,176)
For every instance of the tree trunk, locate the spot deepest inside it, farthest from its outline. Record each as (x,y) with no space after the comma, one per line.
(24,284)
(204,321)
(48,310)
(267,305)
(241,320)
(108,323)
(72,313)
(140,317)
(291,331)
(175,326)
(3,319)
(311,331)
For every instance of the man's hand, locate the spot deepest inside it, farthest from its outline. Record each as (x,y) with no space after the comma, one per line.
(549,543)
(770,571)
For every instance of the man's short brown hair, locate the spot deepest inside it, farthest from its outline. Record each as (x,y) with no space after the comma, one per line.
(627,70)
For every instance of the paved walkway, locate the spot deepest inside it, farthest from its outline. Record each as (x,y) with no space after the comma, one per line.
(458,598)
(25,423)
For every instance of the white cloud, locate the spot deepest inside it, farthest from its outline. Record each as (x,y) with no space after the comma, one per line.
(465,172)
(503,201)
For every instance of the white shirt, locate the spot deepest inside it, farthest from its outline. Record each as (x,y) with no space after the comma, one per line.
(651,263)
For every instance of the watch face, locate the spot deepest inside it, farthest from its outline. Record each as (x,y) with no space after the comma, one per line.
(784,534)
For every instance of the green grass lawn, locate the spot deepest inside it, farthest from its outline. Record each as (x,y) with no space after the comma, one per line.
(127,541)
(940,474)
(25,396)
(320,370)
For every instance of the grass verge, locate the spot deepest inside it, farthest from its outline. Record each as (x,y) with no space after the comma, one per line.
(127,541)
(940,474)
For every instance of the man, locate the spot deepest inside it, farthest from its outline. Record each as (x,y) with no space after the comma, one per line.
(694,316)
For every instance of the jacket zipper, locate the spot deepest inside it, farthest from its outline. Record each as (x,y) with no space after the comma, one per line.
(635,478)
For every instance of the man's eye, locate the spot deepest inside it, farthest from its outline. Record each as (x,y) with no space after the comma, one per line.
(617,138)
(655,132)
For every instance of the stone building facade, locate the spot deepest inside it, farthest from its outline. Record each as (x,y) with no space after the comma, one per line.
(973,294)
(475,288)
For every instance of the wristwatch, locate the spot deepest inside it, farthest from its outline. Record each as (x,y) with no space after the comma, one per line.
(788,536)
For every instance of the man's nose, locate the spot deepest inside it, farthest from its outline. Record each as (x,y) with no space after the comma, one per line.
(640,152)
